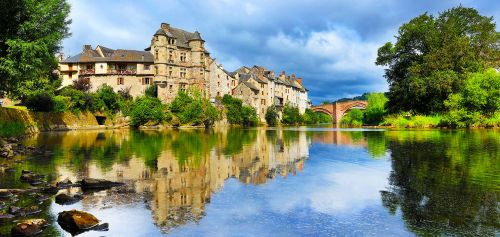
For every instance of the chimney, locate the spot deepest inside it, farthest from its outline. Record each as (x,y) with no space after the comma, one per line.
(293,76)
(299,80)
(221,67)
(165,26)
(87,47)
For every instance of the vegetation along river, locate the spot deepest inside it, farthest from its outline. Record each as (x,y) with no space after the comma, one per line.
(272,182)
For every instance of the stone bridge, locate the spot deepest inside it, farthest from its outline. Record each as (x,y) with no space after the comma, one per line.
(338,109)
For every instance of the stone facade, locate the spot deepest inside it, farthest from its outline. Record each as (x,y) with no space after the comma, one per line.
(177,60)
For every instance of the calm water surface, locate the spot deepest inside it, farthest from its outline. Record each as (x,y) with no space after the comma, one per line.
(286,182)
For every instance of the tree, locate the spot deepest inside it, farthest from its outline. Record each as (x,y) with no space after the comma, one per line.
(30,36)
(272,116)
(375,110)
(433,55)
(310,117)
(353,118)
(146,109)
(291,115)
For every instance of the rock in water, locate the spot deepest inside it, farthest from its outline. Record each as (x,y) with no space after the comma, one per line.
(98,184)
(64,184)
(76,221)
(65,199)
(29,227)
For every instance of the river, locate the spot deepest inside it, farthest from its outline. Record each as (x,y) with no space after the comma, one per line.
(274,182)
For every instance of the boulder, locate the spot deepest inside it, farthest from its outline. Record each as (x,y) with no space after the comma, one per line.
(51,190)
(65,199)
(64,183)
(89,183)
(29,227)
(76,221)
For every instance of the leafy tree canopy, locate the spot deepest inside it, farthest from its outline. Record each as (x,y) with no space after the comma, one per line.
(433,55)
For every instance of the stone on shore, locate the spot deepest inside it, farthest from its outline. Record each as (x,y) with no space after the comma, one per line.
(89,183)
(76,221)
(65,199)
(29,227)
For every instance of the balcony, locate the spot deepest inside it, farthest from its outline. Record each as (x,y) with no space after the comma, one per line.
(87,72)
(122,72)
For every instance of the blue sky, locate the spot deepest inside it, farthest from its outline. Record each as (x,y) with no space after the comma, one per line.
(331,44)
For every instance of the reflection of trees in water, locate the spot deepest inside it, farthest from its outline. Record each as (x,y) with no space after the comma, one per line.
(445,183)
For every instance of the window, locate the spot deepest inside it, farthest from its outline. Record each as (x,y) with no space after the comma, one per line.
(156,70)
(182,87)
(170,87)
(261,85)
(170,71)
(120,81)
(146,66)
(156,38)
(183,73)
(183,57)
(147,81)
(201,71)
(70,66)
(262,92)
(218,84)
(262,101)
(70,75)
(156,54)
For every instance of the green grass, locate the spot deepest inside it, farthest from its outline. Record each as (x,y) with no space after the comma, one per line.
(11,129)
(416,121)
(16,107)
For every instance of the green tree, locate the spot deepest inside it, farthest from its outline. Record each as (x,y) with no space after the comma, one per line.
(30,35)
(375,110)
(353,118)
(432,56)
(310,117)
(146,109)
(291,115)
(272,116)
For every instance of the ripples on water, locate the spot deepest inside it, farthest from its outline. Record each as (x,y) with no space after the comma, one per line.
(277,182)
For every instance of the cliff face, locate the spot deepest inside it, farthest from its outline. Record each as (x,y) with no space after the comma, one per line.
(49,121)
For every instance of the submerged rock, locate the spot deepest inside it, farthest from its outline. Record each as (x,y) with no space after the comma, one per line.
(75,221)
(26,211)
(52,190)
(29,227)
(30,177)
(98,184)
(64,184)
(65,199)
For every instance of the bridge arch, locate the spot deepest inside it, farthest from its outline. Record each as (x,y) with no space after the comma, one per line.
(338,109)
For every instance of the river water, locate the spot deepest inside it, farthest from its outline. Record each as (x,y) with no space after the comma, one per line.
(274,182)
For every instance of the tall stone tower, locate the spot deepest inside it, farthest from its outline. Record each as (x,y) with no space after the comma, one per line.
(180,62)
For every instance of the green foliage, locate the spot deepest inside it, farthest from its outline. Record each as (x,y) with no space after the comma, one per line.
(404,120)
(433,55)
(79,100)
(40,102)
(61,103)
(12,129)
(152,91)
(375,110)
(194,110)
(291,115)
(237,113)
(310,117)
(478,101)
(353,118)
(324,118)
(146,109)
(30,36)
(109,98)
(271,116)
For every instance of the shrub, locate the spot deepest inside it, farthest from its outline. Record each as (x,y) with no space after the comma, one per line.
(272,116)
(125,93)
(324,118)
(40,101)
(291,115)
(152,91)
(375,110)
(233,109)
(79,100)
(109,97)
(146,109)
(61,103)
(249,116)
(354,118)
(194,111)
(82,84)
(310,117)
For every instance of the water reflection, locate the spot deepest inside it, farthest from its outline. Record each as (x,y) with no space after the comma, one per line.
(304,181)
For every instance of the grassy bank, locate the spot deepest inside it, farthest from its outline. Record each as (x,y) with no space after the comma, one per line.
(12,129)
(439,121)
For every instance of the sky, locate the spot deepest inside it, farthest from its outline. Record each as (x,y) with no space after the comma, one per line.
(331,44)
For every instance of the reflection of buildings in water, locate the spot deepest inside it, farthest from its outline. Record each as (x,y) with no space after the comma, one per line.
(179,192)
(340,138)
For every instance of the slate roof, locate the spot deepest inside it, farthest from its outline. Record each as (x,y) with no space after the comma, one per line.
(182,37)
(250,85)
(110,55)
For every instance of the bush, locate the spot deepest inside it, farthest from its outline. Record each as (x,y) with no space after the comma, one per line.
(61,103)
(237,113)
(354,118)
(249,116)
(82,84)
(324,118)
(374,112)
(272,116)
(291,115)
(194,111)
(40,102)
(146,109)
(79,100)
(310,117)
(152,91)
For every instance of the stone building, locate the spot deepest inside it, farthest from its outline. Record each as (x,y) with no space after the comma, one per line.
(177,60)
